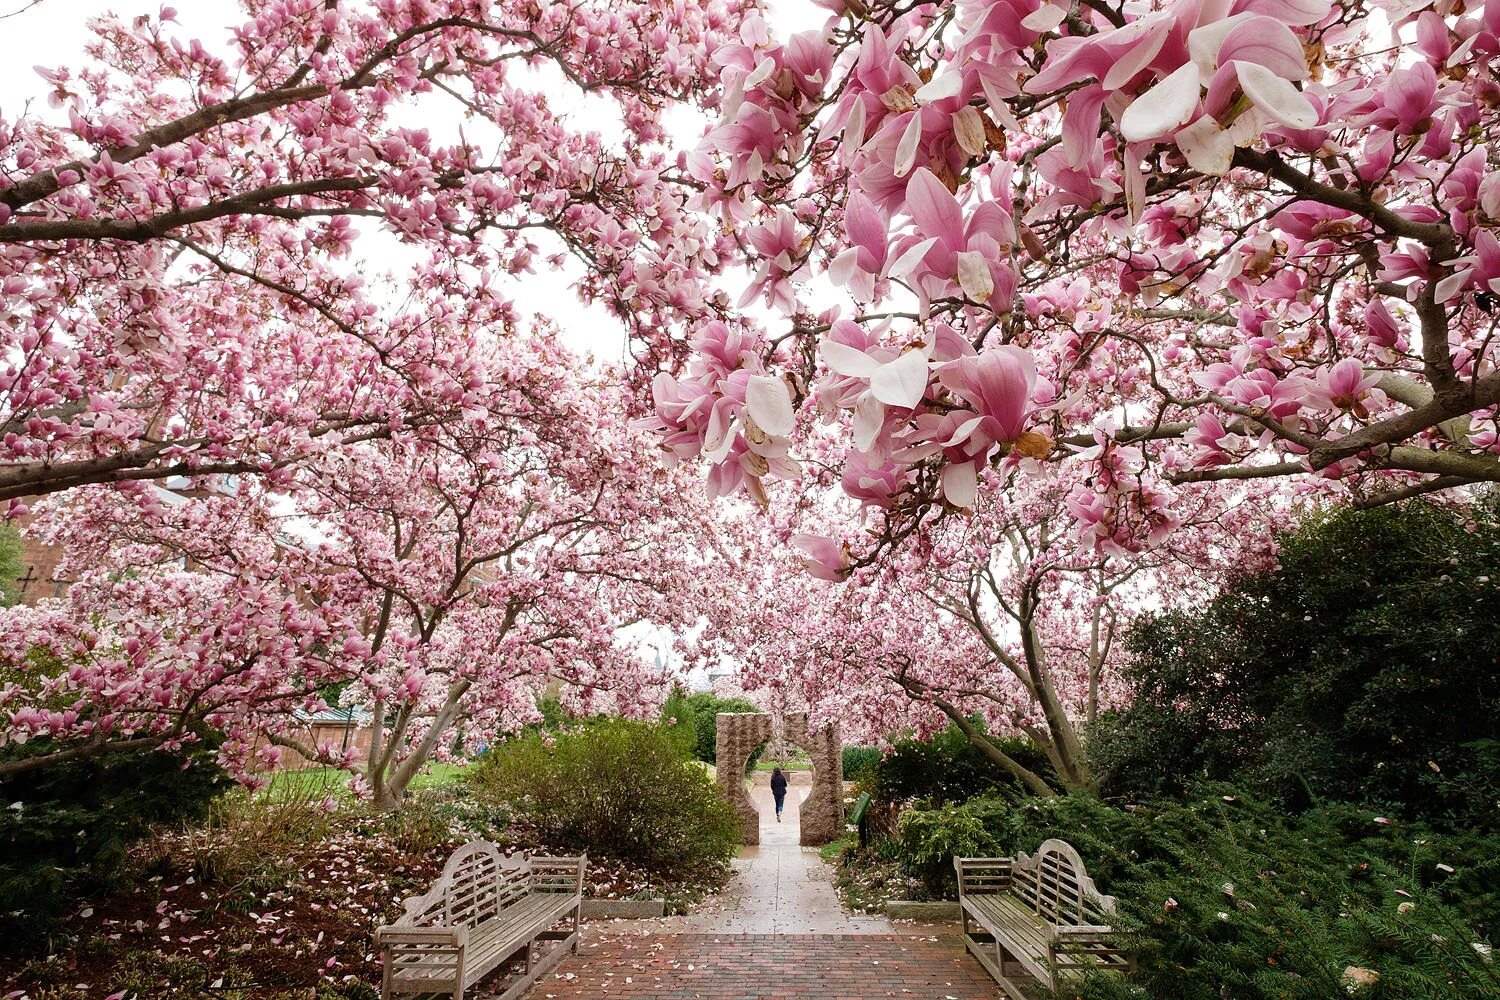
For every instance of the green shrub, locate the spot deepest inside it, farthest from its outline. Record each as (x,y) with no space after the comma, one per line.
(859,761)
(67,825)
(927,841)
(695,717)
(706,707)
(12,564)
(615,786)
(948,768)
(1336,677)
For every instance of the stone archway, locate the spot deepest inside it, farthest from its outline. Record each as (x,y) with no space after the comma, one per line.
(736,737)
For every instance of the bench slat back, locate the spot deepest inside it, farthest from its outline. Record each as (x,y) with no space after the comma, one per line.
(1053,884)
(977,876)
(562,875)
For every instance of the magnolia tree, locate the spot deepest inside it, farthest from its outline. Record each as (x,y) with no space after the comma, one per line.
(178,292)
(1215,240)
(485,565)
(157,660)
(1001,616)
(453,569)
(410,510)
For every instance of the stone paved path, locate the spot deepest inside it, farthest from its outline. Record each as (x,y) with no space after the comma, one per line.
(778,887)
(776,932)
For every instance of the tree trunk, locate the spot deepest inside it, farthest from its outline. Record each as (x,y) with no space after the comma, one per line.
(1034,782)
(388,785)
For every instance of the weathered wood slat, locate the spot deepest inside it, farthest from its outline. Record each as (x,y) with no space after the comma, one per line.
(483,909)
(1040,916)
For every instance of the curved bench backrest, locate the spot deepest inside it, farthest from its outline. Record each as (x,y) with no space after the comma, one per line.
(470,875)
(1053,883)
(477,882)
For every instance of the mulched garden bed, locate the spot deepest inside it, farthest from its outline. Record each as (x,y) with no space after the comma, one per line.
(307,936)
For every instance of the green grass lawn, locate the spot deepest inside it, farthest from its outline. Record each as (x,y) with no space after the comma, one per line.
(315,782)
(801,764)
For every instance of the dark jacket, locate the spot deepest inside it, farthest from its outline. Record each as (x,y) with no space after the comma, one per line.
(778,785)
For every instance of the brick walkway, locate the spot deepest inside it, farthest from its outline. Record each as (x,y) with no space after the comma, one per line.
(776,932)
(768,967)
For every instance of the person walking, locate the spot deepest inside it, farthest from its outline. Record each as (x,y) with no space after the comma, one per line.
(778,790)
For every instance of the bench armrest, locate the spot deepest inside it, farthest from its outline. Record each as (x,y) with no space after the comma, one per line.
(405,938)
(1063,932)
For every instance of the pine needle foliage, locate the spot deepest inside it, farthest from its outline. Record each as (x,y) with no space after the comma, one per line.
(1227,898)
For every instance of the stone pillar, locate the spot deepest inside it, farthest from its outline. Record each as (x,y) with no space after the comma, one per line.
(823,809)
(736,735)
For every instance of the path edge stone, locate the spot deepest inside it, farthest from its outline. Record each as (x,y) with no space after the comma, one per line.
(623,909)
(944,911)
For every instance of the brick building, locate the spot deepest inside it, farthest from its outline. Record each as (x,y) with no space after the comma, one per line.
(39,561)
(340,728)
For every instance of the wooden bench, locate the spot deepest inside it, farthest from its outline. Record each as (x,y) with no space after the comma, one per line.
(1037,915)
(482,911)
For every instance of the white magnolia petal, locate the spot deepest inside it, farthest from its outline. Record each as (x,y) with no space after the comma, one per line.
(906,149)
(963,432)
(1247,126)
(869,418)
(944,85)
(904,264)
(760,74)
(845,360)
(843,267)
(961,484)
(721,451)
(974,276)
(1275,96)
(1165,106)
(1045,18)
(1208,148)
(854,130)
(770,405)
(902,382)
(1452,285)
